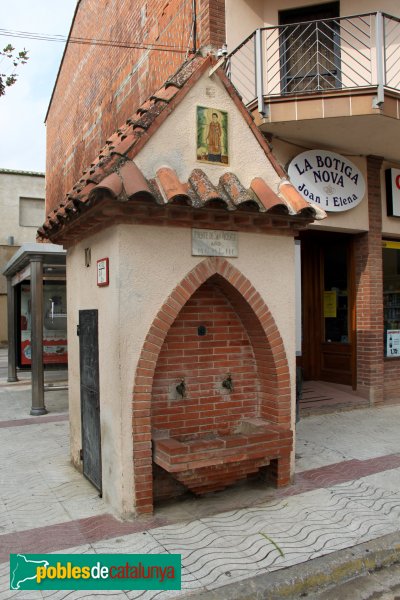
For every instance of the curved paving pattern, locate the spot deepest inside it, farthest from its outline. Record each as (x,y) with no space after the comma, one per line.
(237,544)
(45,505)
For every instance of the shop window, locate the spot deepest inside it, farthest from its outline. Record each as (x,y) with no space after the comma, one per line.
(391,297)
(54,324)
(31,212)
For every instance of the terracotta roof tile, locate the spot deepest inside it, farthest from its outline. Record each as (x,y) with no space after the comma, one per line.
(143,108)
(185,72)
(133,180)
(267,196)
(83,194)
(238,194)
(96,174)
(113,172)
(203,190)
(148,117)
(297,203)
(111,184)
(114,139)
(165,94)
(127,142)
(70,207)
(127,137)
(170,185)
(127,182)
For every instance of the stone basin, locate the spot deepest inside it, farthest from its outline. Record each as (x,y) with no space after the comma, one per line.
(213,462)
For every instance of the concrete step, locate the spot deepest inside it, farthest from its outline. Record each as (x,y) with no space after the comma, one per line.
(368,571)
(379,585)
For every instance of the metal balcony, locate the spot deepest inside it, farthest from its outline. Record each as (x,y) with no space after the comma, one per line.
(318,57)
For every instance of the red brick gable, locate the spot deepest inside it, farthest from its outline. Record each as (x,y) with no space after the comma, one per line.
(100,85)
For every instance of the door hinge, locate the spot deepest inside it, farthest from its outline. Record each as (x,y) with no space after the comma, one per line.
(78,330)
(81,454)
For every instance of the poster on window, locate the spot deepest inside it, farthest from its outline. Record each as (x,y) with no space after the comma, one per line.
(393,342)
(330,304)
(54,324)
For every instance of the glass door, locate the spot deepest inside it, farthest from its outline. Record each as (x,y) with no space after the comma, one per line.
(310,50)
(335,294)
(337,364)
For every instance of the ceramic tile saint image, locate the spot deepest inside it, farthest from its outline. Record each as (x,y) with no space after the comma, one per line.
(212,135)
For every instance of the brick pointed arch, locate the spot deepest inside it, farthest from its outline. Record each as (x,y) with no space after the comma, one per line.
(267,345)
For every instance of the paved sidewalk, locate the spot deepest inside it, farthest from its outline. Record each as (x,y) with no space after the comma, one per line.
(347,491)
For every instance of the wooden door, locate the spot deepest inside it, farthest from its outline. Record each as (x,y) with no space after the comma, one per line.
(329,342)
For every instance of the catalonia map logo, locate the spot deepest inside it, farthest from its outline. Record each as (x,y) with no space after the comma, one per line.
(95,572)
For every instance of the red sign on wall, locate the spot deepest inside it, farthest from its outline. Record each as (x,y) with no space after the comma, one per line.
(393,192)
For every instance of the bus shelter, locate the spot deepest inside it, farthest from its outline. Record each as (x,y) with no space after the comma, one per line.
(37,314)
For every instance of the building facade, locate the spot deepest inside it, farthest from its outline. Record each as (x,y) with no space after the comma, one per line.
(297,123)
(324,80)
(22,206)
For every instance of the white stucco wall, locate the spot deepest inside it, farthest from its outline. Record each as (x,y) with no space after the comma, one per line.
(146,264)
(244,16)
(174,143)
(14,186)
(83,294)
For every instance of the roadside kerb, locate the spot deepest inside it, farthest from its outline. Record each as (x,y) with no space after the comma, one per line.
(314,575)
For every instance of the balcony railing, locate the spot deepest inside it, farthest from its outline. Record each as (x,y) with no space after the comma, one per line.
(318,56)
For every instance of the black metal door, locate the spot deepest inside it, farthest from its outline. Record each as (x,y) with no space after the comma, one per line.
(90,395)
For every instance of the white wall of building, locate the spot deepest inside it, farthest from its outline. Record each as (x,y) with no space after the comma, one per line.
(146,264)
(244,16)
(13,186)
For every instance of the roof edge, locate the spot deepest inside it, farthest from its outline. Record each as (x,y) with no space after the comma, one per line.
(62,59)
(31,249)
(18,172)
(234,94)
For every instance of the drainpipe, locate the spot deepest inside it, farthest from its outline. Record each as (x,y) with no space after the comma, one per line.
(380,60)
(194,21)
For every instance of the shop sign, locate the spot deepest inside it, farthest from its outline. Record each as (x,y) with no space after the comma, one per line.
(393,342)
(207,242)
(393,192)
(327,179)
(391,245)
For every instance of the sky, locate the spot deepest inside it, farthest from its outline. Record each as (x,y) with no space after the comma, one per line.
(24,106)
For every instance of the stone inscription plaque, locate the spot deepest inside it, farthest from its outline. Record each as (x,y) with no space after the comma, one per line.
(208,242)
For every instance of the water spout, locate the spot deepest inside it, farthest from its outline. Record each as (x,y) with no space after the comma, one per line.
(181,388)
(228,383)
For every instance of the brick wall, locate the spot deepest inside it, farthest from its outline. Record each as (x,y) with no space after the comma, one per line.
(274,395)
(392,381)
(369,293)
(204,362)
(211,20)
(99,87)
